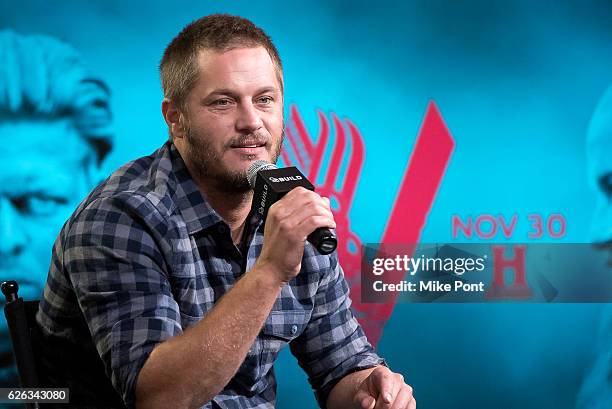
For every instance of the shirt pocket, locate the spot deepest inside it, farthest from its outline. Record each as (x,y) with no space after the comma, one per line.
(193,295)
(285,325)
(280,328)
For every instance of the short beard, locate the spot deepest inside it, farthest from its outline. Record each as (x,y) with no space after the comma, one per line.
(203,162)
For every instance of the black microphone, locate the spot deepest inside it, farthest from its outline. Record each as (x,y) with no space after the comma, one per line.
(270,183)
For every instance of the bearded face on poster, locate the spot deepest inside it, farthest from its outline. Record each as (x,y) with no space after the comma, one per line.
(55,131)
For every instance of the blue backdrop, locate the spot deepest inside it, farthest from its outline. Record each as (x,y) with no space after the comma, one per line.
(516,84)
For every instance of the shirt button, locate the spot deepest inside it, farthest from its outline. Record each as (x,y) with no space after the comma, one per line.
(294,329)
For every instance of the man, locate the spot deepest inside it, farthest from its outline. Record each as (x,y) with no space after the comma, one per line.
(47,101)
(164,275)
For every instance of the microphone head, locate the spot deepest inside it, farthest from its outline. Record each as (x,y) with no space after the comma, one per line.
(255,168)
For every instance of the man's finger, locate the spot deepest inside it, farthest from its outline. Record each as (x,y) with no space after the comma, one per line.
(385,383)
(403,398)
(378,378)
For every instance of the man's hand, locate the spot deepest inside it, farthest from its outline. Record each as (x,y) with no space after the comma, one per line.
(289,222)
(384,389)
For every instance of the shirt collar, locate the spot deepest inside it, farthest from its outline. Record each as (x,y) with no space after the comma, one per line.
(196,211)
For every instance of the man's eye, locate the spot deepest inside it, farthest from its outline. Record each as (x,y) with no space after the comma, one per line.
(38,205)
(265,100)
(222,102)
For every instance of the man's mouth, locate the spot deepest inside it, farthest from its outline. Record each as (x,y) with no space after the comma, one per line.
(249,147)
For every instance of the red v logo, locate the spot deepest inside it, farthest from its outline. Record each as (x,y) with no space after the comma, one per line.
(422,178)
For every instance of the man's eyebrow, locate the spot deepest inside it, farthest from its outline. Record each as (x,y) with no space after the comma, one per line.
(266,89)
(230,93)
(222,91)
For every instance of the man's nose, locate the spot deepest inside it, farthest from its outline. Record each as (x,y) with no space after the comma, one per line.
(12,237)
(249,119)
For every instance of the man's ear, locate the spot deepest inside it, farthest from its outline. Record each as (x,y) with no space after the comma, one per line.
(174,119)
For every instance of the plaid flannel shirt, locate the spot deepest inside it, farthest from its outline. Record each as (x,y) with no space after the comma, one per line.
(145,256)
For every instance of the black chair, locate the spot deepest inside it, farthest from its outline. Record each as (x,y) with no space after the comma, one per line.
(20,316)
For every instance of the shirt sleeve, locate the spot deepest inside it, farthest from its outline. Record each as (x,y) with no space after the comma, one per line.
(116,268)
(333,343)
